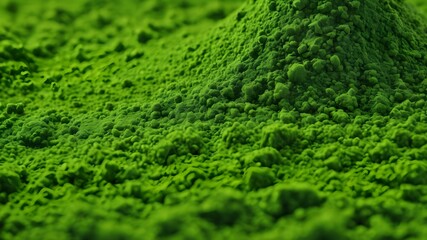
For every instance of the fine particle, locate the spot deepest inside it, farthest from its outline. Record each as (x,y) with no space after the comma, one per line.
(297,73)
(198,119)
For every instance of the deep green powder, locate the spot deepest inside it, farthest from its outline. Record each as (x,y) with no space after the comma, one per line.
(198,119)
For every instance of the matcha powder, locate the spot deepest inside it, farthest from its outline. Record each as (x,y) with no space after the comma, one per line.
(199,119)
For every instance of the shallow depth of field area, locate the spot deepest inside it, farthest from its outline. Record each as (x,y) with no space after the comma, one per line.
(213,119)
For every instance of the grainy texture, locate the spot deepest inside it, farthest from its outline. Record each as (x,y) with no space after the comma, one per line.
(200,119)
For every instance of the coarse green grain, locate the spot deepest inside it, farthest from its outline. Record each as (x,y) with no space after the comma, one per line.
(199,119)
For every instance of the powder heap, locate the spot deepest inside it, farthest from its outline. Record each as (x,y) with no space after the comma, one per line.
(312,56)
(16,64)
(199,119)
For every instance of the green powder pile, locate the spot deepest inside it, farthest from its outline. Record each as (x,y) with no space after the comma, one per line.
(200,119)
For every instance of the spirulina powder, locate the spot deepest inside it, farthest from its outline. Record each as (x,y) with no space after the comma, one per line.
(213,119)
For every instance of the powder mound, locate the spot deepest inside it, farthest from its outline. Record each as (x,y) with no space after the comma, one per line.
(286,198)
(257,177)
(177,143)
(35,134)
(10,182)
(279,135)
(304,55)
(266,157)
(226,207)
(16,64)
(297,73)
(234,135)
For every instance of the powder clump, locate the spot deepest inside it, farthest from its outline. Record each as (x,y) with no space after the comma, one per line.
(201,119)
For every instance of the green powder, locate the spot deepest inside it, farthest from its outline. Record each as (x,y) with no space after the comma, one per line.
(198,119)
